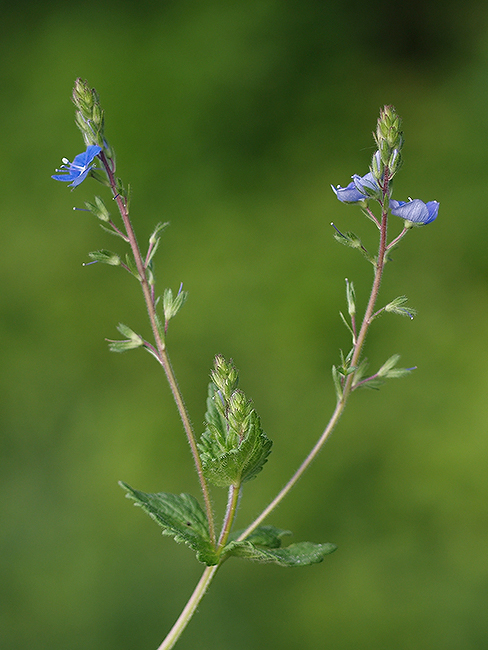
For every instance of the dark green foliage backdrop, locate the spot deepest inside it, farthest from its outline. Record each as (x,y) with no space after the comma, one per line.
(230,119)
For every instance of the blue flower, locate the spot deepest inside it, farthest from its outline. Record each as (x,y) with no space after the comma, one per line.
(79,169)
(355,191)
(415,211)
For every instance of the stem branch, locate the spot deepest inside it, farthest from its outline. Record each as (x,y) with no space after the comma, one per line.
(348,384)
(162,354)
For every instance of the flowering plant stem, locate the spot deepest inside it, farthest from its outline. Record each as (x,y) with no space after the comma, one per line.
(348,385)
(210,572)
(161,353)
(234,448)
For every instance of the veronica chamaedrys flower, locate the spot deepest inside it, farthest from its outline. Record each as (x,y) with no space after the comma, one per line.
(359,189)
(415,211)
(79,169)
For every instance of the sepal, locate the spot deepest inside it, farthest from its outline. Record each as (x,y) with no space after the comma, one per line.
(264,545)
(399,306)
(131,266)
(98,209)
(351,298)
(106,257)
(154,240)
(352,241)
(388,370)
(181,517)
(132,341)
(173,304)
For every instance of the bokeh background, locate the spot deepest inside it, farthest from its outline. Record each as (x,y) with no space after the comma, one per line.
(231,118)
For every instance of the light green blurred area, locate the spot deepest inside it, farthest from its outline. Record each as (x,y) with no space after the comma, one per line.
(231,120)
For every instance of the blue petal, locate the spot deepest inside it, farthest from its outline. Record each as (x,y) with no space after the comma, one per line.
(415,211)
(79,169)
(354,192)
(367,181)
(85,158)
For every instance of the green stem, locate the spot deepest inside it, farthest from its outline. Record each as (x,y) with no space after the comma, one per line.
(186,615)
(233,500)
(348,385)
(162,357)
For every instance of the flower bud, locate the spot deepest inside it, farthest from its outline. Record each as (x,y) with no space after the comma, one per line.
(388,135)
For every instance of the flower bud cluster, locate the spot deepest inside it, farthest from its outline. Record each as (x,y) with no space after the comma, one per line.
(89,114)
(389,140)
(376,185)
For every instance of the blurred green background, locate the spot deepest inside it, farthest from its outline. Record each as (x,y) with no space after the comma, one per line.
(230,119)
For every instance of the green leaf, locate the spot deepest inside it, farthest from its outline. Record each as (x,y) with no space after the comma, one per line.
(181,517)
(337,378)
(268,536)
(234,448)
(264,545)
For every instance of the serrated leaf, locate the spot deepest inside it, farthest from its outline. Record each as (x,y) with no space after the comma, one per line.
(234,448)
(268,536)
(264,545)
(181,517)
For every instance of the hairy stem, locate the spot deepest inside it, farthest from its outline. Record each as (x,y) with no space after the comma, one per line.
(348,385)
(186,615)
(162,354)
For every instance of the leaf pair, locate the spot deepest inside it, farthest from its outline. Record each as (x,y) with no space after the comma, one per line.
(182,518)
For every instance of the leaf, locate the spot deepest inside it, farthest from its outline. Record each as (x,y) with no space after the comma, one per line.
(233,448)
(181,517)
(264,545)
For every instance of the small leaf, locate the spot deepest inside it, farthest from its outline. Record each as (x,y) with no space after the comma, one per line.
(181,517)
(264,545)
(352,241)
(268,536)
